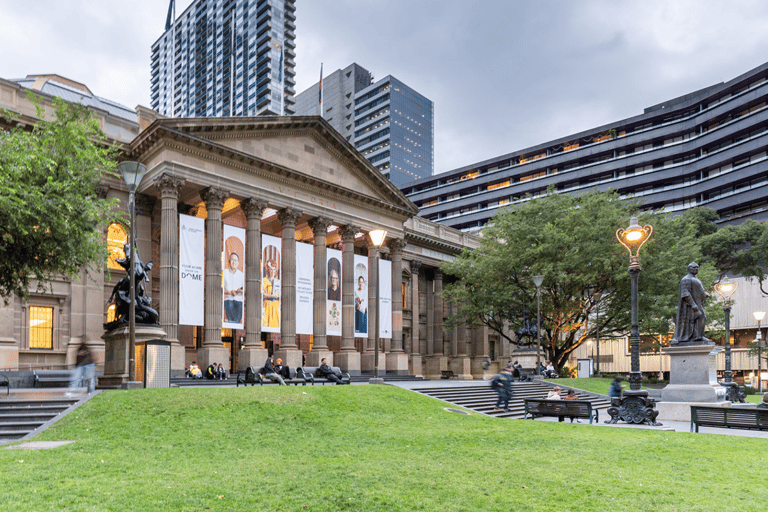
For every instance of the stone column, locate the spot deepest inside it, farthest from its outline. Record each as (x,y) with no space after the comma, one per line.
(460,363)
(252,353)
(397,359)
(368,356)
(437,362)
(213,349)
(289,351)
(416,361)
(348,358)
(320,350)
(170,187)
(480,352)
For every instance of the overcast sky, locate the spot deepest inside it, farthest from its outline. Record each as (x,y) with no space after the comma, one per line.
(503,74)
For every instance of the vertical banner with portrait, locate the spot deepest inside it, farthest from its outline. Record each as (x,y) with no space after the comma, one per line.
(233,277)
(333,297)
(361,296)
(271,273)
(305,254)
(191,270)
(385,299)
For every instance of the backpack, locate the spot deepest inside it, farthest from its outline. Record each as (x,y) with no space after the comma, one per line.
(495,383)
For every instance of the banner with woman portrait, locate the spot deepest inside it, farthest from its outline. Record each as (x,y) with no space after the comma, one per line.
(361,296)
(333,297)
(271,272)
(233,278)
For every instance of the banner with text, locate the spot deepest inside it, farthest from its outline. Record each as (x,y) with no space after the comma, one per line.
(304,277)
(191,270)
(385,299)
(271,272)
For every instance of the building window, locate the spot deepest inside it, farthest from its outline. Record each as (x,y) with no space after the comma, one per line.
(40,327)
(117,237)
(404,292)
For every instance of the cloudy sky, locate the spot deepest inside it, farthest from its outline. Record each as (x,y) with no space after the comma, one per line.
(503,74)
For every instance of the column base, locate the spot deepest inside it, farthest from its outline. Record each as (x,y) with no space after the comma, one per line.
(251,357)
(314,357)
(290,356)
(435,367)
(367,362)
(178,357)
(416,365)
(397,363)
(634,407)
(460,366)
(348,361)
(478,372)
(213,354)
(9,353)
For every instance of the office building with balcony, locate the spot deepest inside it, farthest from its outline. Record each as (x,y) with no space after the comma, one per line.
(226,58)
(388,122)
(707,148)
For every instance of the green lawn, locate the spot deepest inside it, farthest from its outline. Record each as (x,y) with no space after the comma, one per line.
(364,448)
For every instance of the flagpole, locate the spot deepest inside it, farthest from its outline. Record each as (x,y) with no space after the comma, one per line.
(320,91)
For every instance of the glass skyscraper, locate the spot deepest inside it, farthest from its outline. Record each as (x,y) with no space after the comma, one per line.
(224,58)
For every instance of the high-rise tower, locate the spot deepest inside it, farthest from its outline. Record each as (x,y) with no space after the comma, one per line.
(225,58)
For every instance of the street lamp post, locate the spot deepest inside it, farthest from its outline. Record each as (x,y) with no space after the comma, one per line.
(538,280)
(377,238)
(634,406)
(132,173)
(726,288)
(759,315)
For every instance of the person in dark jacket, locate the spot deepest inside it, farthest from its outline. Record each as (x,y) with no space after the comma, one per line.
(84,369)
(327,372)
(210,372)
(502,384)
(268,371)
(616,387)
(281,370)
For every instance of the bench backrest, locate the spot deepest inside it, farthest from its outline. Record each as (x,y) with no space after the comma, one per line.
(558,407)
(730,416)
(310,370)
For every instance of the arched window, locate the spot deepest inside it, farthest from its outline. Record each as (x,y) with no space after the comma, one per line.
(117,237)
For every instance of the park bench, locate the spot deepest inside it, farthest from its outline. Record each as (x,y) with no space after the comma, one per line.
(447,374)
(61,377)
(253,377)
(308,374)
(5,382)
(560,408)
(728,417)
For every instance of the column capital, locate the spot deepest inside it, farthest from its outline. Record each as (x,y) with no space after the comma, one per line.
(288,217)
(319,225)
(253,207)
(102,191)
(439,274)
(169,185)
(415,267)
(213,197)
(348,232)
(396,245)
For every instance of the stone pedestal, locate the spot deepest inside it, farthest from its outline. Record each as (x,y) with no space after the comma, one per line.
(397,363)
(251,357)
(416,365)
(178,358)
(9,353)
(681,411)
(693,374)
(290,357)
(367,362)
(435,367)
(314,357)
(348,361)
(212,354)
(116,359)
(526,358)
(461,367)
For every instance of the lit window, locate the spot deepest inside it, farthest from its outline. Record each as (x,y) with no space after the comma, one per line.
(40,327)
(117,237)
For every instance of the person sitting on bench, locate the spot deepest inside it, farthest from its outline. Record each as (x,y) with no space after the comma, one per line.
(281,370)
(268,371)
(326,371)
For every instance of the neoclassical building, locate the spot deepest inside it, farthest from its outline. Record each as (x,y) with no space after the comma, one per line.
(292,191)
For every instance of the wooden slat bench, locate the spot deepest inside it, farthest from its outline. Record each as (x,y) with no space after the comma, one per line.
(61,377)
(308,374)
(728,417)
(560,408)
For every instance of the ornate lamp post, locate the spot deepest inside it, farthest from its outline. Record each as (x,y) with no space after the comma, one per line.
(377,238)
(132,173)
(634,406)
(597,296)
(725,289)
(759,315)
(538,280)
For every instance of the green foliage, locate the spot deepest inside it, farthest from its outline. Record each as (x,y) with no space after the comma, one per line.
(571,241)
(51,222)
(568,372)
(361,448)
(741,249)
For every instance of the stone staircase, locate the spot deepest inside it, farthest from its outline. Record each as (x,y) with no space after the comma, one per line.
(20,417)
(481,398)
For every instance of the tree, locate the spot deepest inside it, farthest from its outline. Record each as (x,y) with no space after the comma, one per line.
(571,241)
(741,249)
(51,221)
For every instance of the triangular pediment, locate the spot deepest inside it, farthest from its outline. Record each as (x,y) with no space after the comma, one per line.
(303,147)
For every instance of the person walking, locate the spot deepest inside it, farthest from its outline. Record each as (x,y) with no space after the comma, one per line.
(502,384)
(84,369)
